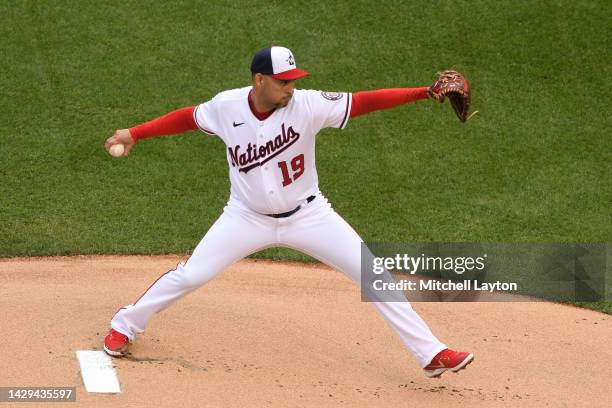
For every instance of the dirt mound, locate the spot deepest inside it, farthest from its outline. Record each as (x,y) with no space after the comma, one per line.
(288,335)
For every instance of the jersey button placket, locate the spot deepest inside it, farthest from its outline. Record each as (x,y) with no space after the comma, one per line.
(268,179)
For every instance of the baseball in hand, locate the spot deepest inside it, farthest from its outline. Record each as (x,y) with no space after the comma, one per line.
(116,150)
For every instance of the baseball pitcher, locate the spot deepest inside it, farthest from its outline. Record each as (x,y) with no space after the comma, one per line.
(270,129)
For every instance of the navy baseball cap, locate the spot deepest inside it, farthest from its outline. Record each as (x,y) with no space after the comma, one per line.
(278,62)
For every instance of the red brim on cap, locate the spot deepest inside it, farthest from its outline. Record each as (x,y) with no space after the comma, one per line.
(290,75)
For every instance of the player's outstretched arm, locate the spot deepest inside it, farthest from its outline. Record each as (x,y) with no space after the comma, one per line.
(370,101)
(178,121)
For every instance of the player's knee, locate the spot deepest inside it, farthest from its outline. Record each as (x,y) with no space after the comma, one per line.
(190,278)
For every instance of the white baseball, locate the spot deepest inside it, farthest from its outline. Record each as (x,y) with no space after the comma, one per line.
(116,150)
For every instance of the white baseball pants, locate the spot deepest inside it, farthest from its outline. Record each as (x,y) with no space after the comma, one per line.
(316,230)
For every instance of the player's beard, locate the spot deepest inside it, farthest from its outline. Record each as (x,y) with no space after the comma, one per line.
(283,102)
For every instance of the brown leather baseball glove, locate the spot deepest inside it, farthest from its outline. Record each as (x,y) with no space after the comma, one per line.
(454,85)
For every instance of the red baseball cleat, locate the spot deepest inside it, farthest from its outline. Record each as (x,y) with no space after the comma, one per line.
(115,343)
(448,360)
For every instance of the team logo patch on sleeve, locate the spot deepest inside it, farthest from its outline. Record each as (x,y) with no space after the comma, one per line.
(332,96)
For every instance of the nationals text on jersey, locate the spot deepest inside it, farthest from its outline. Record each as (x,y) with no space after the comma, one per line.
(264,153)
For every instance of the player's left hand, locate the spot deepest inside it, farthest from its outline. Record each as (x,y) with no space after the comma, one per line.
(454,85)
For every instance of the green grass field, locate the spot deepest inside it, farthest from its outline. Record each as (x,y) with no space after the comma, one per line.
(532,166)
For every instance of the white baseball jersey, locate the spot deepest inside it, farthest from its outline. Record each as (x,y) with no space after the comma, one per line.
(272,162)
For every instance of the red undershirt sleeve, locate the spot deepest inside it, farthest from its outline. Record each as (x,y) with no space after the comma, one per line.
(370,101)
(175,122)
